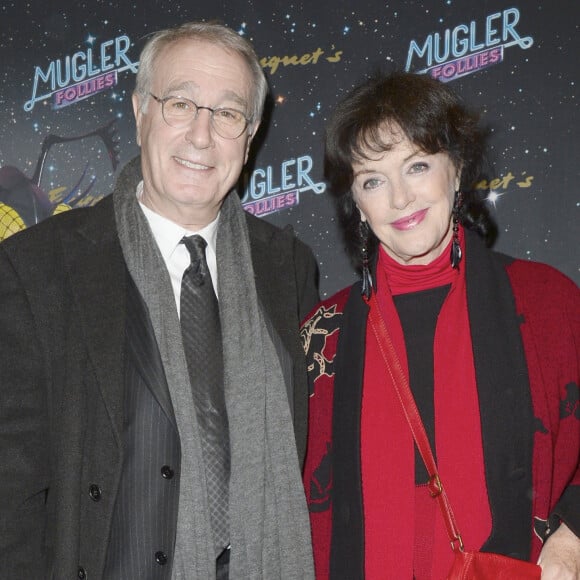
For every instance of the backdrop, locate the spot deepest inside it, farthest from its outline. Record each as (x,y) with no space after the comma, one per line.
(66,124)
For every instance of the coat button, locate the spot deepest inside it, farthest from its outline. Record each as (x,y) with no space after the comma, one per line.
(161,558)
(167,472)
(95,492)
(81,574)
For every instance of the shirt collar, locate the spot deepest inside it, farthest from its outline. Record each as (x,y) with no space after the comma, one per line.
(168,234)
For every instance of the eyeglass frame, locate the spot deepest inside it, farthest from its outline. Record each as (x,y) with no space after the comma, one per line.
(211,110)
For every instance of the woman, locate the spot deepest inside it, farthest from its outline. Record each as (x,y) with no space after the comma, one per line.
(490,345)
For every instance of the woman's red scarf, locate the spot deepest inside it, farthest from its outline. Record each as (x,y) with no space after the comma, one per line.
(394,548)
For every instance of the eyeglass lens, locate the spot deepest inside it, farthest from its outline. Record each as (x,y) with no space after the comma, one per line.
(179,112)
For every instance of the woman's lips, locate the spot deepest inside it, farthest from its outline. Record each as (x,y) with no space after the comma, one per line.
(410,221)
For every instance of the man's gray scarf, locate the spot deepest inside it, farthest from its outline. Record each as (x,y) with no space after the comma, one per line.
(270,532)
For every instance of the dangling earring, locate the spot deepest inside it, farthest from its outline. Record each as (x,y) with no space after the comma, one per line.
(456,253)
(367,281)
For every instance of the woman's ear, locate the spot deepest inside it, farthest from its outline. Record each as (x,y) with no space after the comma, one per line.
(363,217)
(458,178)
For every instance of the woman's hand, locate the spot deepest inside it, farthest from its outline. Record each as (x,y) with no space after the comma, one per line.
(560,556)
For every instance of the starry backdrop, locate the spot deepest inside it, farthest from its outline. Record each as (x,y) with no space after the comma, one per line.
(313,53)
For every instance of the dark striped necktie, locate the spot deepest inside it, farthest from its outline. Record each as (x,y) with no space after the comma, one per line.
(202,342)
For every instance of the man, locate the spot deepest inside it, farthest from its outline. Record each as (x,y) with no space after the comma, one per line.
(105,435)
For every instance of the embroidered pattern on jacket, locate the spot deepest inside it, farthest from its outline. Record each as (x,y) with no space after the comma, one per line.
(321,327)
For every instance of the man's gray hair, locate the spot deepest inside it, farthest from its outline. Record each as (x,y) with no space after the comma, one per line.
(211,32)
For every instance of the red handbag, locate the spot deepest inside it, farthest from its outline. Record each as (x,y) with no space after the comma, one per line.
(467,565)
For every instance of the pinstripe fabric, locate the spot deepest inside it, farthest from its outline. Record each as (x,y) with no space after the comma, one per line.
(142,539)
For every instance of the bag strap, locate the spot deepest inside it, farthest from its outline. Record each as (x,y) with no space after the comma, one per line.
(405,396)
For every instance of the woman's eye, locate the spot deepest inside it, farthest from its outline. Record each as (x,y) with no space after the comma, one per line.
(371,183)
(419,167)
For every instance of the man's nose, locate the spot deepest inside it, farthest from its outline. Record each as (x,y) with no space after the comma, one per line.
(199,132)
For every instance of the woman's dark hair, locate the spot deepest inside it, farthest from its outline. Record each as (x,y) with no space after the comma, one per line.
(431,116)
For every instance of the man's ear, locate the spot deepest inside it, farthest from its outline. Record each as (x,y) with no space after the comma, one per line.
(251,134)
(138,113)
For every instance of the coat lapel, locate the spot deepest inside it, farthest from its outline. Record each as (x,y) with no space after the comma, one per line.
(100,283)
(97,275)
(275,285)
(274,275)
(144,351)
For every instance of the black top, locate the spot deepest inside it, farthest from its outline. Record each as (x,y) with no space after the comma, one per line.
(418,312)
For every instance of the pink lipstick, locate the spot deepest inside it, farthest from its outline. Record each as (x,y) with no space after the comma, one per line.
(410,221)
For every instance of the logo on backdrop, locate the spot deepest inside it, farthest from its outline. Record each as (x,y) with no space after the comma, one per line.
(85,73)
(467,48)
(273,63)
(272,189)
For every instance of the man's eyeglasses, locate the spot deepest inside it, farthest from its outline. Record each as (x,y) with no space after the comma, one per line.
(178,112)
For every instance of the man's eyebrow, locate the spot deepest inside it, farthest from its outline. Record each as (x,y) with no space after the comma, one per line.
(233,96)
(185,87)
(190,86)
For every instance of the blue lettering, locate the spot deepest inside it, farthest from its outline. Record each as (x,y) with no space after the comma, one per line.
(80,66)
(91,69)
(441,56)
(426,50)
(460,46)
(105,58)
(122,45)
(304,166)
(510,31)
(490,32)
(261,182)
(271,188)
(463,39)
(44,77)
(257,190)
(287,182)
(473,46)
(79,71)
(62,79)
